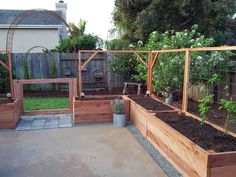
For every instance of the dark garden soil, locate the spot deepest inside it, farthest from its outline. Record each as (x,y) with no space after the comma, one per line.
(205,136)
(5,100)
(215,115)
(99,98)
(149,103)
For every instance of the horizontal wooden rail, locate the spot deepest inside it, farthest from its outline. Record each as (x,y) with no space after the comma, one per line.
(45,81)
(114,51)
(222,48)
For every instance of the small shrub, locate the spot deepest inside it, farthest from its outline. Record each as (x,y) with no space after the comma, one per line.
(118,106)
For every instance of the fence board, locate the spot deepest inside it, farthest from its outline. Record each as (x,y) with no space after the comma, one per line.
(40,68)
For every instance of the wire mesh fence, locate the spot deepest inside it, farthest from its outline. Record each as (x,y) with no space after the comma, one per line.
(212,86)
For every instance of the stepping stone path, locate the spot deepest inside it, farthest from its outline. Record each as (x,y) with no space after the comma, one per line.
(45,122)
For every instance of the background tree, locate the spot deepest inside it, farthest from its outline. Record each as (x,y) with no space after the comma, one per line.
(136,19)
(82,40)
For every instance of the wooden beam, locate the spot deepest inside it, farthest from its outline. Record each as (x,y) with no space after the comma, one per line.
(169,51)
(186,81)
(113,51)
(140,59)
(44,81)
(154,60)
(10,72)
(87,61)
(4,65)
(222,48)
(149,77)
(79,78)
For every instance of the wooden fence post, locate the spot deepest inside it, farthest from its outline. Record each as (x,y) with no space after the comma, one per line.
(149,76)
(186,80)
(79,77)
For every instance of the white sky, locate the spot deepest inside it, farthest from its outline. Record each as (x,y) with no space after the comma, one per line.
(97,13)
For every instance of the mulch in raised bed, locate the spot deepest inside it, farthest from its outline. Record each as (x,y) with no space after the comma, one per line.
(99,98)
(205,136)
(150,103)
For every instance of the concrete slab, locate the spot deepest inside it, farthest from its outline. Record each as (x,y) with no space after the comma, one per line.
(93,151)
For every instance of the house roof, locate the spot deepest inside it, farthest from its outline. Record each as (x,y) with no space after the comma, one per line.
(7,16)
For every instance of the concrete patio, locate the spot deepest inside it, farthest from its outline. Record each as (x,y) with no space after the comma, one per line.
(84,151)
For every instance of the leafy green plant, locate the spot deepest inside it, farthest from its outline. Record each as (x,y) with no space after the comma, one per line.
(118,106)
(26,67)
(204,104)
(230,107)
(53,66)
(80,39)
(169,69)
(3,74)
(204,107)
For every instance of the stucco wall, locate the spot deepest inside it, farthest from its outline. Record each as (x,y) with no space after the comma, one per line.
(24,39)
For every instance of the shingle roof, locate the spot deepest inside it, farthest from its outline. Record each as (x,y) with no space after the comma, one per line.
(7,16)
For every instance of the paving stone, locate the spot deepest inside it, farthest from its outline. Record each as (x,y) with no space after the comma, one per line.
(24,126)
(53,119)
(65,125)
(39,121)
(51,125)
(45,121)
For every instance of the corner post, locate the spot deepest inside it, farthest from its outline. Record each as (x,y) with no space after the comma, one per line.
(79,76)
(186,81)
(10,72)
(149,75)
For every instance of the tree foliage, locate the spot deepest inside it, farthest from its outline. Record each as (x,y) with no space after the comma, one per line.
(136,19)
(168,71)
(81,40)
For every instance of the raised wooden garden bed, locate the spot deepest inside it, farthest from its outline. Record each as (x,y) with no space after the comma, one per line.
(188,157)
(94,109)
(9,114)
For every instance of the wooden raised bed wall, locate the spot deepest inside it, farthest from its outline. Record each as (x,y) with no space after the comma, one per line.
(10,114)
(19,94)
(189,158)
(92,111)
(95,110)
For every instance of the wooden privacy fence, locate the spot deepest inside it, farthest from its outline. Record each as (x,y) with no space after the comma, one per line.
(63,65)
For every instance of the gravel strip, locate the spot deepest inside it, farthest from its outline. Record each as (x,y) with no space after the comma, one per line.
(157,157)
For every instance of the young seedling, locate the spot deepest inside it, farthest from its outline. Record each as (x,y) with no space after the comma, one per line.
(230,107)
(204,105)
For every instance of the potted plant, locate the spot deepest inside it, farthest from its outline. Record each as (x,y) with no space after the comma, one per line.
(118,110)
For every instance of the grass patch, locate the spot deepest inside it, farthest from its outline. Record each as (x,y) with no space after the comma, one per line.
(39,103)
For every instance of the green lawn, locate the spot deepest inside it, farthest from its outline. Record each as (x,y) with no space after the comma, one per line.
(39,103)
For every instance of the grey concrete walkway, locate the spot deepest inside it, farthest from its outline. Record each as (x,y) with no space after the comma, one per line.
(44,122)
(87,151)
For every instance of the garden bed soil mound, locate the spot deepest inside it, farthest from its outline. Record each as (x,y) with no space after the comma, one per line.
(150,104)
(103,92)
(6,100)
(99,98)
(205,136)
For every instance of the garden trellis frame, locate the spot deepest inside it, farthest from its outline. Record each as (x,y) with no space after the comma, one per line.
(152,59)
(95,52)
(8,67)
